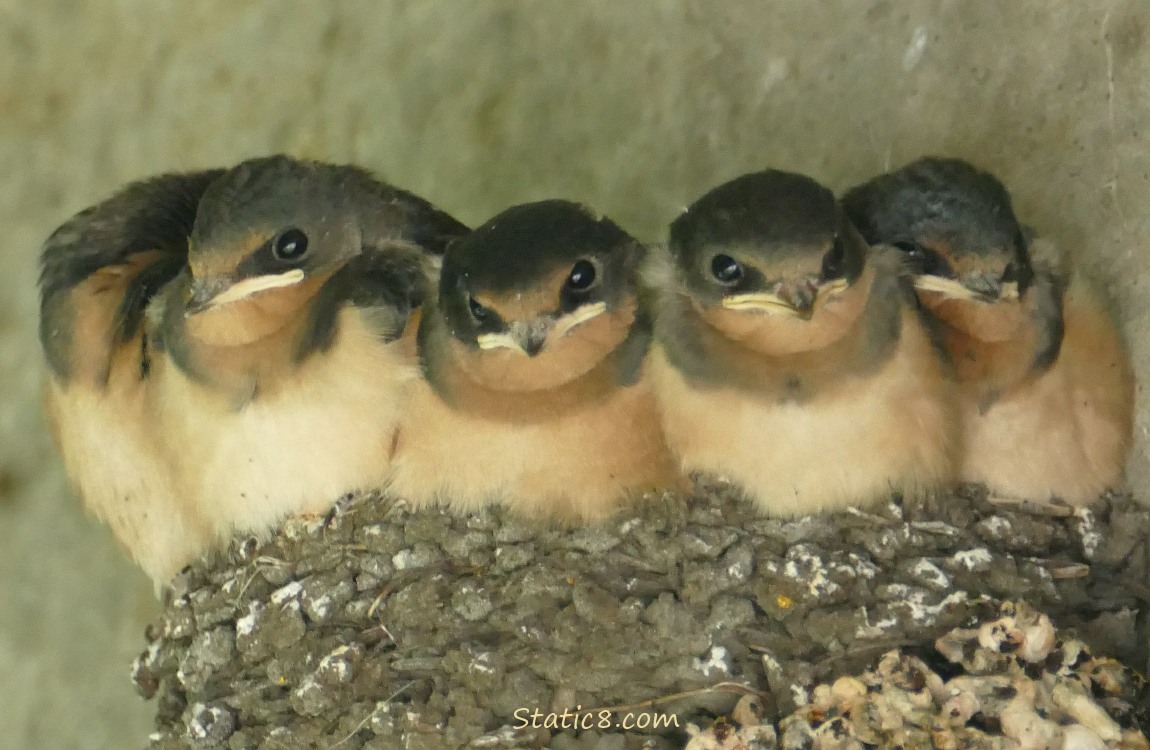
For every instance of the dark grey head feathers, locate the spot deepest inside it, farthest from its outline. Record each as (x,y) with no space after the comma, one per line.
(250,223)
(775,210)
(947,214)
(280,213)
(275,192)
(273,222)
(769,231)
(957,225)
(549,258)
(948,199)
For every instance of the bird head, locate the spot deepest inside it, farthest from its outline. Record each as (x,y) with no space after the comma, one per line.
(270,232)
(770,256)
(957,228)
(539,295)
(267,226)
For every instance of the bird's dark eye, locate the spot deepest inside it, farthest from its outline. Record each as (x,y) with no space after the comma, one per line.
(478,311)
(582,276)
(290,245)
(833,260)
(726,270)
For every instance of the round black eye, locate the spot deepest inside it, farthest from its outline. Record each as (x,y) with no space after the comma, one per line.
(478,311)
(290,245)
(833,260)
(582,276)
(726,270)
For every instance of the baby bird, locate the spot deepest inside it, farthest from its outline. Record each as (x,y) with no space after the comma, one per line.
(534,392)
(1046,386)
(266,366)
(789,357)
(98,272)
(279,363)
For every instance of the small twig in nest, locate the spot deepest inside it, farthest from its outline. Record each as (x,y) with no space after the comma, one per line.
(371,713)
(263,561)
(824,665)
(720,687)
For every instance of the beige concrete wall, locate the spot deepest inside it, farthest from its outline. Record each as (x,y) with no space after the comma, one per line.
(635,107)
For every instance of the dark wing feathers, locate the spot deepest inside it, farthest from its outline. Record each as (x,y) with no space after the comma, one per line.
(153,215)
(385,284)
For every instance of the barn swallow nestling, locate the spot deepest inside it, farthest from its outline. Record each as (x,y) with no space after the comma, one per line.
(98,272)
(534,392)
(789,357)
(198,393)
(1046,385)
(278,363)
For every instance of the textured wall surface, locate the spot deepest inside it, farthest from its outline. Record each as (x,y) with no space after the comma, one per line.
(633,107)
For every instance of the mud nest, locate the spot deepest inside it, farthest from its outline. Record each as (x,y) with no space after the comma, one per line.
(1012,683)
(380,627)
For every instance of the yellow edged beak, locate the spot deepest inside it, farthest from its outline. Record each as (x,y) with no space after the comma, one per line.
(773,303)
(577,317)
(499,341)
(831,288)
(206,295)
(954,289)
(530,337)
(765,301)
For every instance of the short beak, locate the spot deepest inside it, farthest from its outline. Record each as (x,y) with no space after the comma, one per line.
(794,300)
(765,301)
(532,340)
(208,293)
(976,289)
(202,293)
(530,337)
(983,285)
(524,337)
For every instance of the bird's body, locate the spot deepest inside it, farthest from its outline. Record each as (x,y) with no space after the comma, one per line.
(1063,434)
(99,270)
(839,401)
(270,362)
(1045,387)
(890,427)
(543,405)
(301,441)
(502,448)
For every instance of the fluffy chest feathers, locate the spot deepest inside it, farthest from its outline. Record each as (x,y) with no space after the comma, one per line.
(99,412)
(110,448)
(995,348)
(771,357)
(326,428)
(556,458)
(243,349)
(1065,430)
(878,431)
